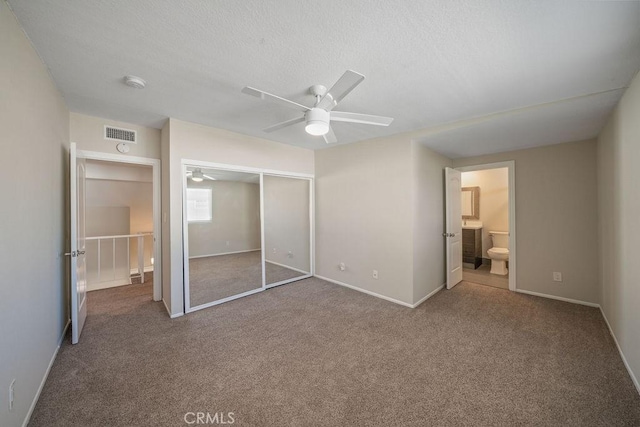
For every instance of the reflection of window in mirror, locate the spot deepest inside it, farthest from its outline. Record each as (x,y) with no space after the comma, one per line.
(199,204)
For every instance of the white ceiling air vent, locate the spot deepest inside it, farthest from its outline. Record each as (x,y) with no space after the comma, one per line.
(121,135)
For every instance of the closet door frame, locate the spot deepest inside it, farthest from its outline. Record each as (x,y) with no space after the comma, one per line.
(311,233)
(185,163)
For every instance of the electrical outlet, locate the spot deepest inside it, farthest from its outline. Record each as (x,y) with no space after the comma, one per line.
(274,250)
(11,394)
(227,243)
(557,276)
(342,267)
(375,274)
(290,254)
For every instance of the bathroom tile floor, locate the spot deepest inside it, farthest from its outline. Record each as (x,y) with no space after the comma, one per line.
(482,276)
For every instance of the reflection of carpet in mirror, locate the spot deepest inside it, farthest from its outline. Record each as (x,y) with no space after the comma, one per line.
(276,273)
(216,277)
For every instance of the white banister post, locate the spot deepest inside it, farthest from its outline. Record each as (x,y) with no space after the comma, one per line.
(128,260)
(141,257)
(99,259)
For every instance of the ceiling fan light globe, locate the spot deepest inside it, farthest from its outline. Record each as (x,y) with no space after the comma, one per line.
(317,127)
(317,122)
(197,176)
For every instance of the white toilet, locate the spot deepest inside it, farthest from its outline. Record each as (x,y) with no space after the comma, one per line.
(499,253)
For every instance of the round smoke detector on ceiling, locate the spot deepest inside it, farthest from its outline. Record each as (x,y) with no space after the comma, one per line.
(135,82)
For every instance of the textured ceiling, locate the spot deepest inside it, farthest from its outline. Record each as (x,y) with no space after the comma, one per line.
(427,63)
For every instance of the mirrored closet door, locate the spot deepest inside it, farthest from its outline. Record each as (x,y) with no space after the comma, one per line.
(223,257)
(244,232)
(287,229)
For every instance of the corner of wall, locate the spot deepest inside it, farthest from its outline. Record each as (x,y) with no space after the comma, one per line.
(618,204)
(165,140)
(363,216)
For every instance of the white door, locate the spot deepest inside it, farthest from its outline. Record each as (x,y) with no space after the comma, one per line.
(78,247)
(453,231)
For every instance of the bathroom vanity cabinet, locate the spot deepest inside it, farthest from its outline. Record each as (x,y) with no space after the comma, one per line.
(472,247)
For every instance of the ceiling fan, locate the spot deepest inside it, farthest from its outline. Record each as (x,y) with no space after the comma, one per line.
(319,117)
(197,176)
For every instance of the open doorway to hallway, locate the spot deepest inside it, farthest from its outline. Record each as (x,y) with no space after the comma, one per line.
(104,190)
(119,224)
(488,224)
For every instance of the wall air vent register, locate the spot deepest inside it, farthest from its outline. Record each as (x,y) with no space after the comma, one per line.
(121,135)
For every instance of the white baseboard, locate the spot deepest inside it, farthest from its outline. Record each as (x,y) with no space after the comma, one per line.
(172,316)
(624,359)
(355,288)
(147,269)
(429,295)
(224,253)
(286,266)
(46,375)
(573,301)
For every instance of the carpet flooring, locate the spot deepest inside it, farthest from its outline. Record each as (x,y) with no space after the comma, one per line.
(314,353)
(217,277)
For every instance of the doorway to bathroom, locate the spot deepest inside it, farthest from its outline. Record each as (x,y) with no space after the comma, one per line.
(488,231)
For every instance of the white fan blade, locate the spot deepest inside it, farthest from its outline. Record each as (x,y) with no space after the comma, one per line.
(284,124)
(209,177)
(189,173)
(275,98)
(344,85)
(366,119)
(330,137)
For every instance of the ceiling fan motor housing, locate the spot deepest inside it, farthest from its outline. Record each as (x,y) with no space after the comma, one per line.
(317,121)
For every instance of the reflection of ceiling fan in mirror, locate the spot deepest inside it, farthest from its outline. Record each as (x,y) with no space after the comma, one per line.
(319,117)
(197,176)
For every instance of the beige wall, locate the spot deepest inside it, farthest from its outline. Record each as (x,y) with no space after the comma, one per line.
(88,133)
(619,230)
(286,222)
(556,218)
(364,216)
(34,122)
(107,220)
(429,271)
(137,196)
(235,223)
(494,201)
(184,140)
